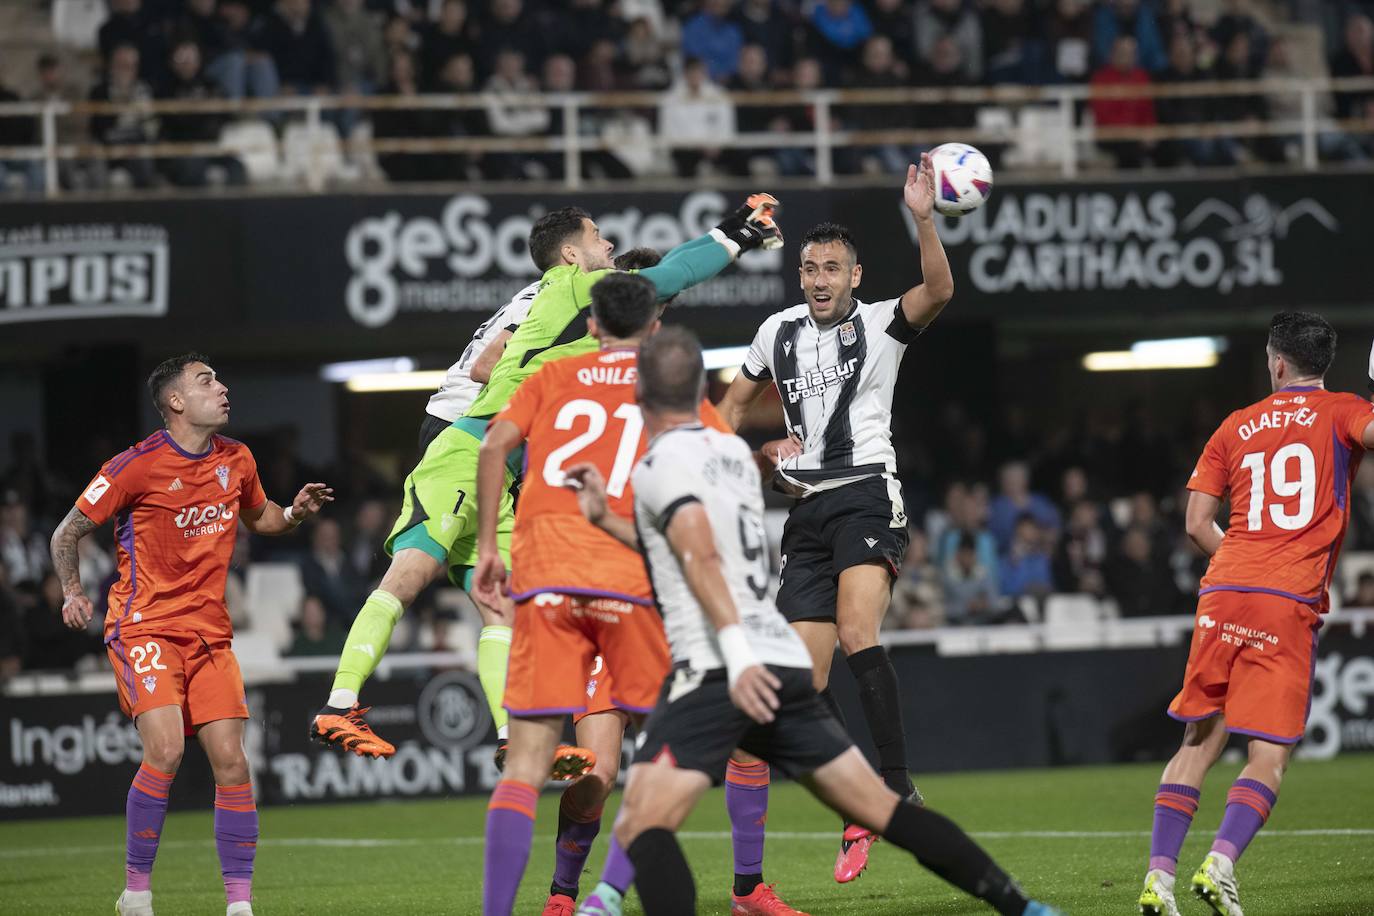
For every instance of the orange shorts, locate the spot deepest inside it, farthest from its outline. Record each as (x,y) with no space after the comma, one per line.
(178,670)
(1251,659)
(598,690)
(556,641)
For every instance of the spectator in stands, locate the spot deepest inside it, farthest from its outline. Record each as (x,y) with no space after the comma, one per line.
(918,594)
(1025,568)
(970,587)
(646,61)
(510,115)
(299,44)
(365,546)
(893,18)
(459,77)
(1237,63)
(1285,105)
(1069,36)
(807,75)
(966,513)
(1117,18)
(582,24)
(326,573)
(840,28)
(1014,499)
(244,68)
(316,632)
(1175,18)
(24,174)
(945,69)
(1238,18)
(1356,58)
(1362,509)
(696,112)
(388,123)
(1138,579)
(772,26)
(937,20)
(509,25)
(1185,109)
(200,22)
(356,33)
(1363,595)
(50,644)
(751,75)
(1013,52)
(13,645)
(187,82)
(399,38)
(131,24)
(1082,552)
(712,37)
(132,125)
(601,70)
(879,69)
(451,34)
(1124,70)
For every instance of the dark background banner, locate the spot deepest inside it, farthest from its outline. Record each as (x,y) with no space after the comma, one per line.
(74,755)
(371,273)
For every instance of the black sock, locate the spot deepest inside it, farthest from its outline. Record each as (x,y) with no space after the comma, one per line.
(745,884)
(554,888)
(877,681)
(662,877)
(941,846)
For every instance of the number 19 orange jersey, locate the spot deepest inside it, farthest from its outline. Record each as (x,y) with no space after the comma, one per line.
(574,410)
(1287,462)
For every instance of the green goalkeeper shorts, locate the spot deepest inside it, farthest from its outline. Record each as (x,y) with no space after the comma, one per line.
(439,511)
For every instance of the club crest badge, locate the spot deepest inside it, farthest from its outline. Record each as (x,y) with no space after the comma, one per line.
(150,683)
(847,334)
(222,472)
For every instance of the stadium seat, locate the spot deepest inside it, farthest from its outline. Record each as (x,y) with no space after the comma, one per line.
(1127,634)
(1072,622)
(256,147)
(76,23)
(259,658)
(275,592)
(1010,639)
(298,156)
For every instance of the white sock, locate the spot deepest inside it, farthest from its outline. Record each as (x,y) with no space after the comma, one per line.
(503,733)
(342,699)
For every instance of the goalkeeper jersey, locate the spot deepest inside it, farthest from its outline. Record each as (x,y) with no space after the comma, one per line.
(555,327)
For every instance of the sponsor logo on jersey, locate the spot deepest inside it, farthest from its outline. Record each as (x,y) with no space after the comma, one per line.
(175,485)
(198,520)
(96,490)
(871,542)
(848,335)
(1205,621)
(818,381)
(222,474)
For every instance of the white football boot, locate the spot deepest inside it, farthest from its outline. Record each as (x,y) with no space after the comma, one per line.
(1215,884)
(1157,899)
(134,903)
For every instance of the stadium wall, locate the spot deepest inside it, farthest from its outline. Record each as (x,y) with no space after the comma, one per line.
(73,754)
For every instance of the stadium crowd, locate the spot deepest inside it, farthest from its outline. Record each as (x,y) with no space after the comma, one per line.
(692,52)
(993,532)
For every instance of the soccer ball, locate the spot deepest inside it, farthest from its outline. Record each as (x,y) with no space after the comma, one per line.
(963,178)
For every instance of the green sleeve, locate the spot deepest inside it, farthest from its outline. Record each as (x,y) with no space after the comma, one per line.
(582,286)
(688,264)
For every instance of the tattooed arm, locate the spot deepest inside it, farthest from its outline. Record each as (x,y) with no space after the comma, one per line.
(76,607)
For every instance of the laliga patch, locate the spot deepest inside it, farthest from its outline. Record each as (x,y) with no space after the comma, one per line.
(847,334)
(150,683)
(96,489)
(222,473)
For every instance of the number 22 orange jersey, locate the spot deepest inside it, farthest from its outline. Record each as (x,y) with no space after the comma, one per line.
(1287,462)
(574,410)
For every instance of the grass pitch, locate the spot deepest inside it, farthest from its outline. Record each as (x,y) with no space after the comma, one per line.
(1076,837)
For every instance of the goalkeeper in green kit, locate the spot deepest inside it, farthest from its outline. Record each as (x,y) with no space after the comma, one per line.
(437,528)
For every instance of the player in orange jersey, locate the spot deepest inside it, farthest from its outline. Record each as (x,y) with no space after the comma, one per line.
(177,498)
(1286,462)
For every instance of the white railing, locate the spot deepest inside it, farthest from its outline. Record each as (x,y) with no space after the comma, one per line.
(1068,133)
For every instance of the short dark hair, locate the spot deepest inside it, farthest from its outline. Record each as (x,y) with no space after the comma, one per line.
(637,259)
(821,233)
(166,375)
(551,230)
(624,304)
(1305,340)
(671,374)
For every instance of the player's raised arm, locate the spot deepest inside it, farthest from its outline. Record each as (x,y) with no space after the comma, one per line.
(749,227)
(590,487)
(502,438)
(270,519)
(753,688)
(490,356)
(76,607)
(921,304)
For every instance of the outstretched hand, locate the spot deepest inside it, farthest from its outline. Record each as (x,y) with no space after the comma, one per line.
(310,500)
(919,192)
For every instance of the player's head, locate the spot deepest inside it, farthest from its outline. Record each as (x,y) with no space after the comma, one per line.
(829,271)
(568,235)
(671,377)
(624,307)
(185,389)
(638,259)
(1301,347)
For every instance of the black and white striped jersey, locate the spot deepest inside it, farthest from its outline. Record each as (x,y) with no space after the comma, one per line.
(836,385)
(459,391)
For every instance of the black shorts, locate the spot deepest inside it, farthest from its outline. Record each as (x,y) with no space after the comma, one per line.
(697,726)
(432,427)
(825,534)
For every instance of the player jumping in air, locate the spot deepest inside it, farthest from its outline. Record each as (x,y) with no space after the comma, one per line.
(177,498)
(742,676)
(834,360)
(581,597)
(1286,462)
(437,528)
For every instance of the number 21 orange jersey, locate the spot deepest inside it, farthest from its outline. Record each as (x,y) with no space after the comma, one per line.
(1287,462)
(575,410)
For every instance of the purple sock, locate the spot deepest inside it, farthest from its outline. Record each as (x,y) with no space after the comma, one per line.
(1247,808)
(145,810)
(1175,805)
(510,833)
(746,798)
(236,839)
(618,871)
(577,828)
